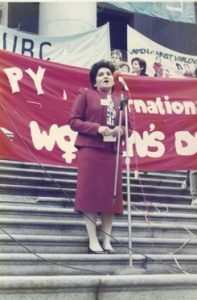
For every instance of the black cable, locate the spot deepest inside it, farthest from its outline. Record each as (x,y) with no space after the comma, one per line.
(48,260)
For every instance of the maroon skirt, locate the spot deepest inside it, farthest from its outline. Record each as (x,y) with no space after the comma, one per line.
(95,183)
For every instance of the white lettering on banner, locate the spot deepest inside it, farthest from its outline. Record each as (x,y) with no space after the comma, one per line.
(149,144)
(15,74)
(65,97)
(163,107)
(63,136)
(185,143)
(37,78)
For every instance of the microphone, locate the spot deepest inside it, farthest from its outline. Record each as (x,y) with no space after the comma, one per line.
(118,74)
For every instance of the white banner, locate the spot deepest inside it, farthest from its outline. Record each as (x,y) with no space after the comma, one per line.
(81,49)
(160,61)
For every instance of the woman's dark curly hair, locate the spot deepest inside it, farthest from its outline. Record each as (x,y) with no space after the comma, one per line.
(95,67)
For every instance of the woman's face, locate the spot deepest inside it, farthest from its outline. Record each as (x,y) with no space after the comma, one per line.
(115,59)
(104,79)
(136,66)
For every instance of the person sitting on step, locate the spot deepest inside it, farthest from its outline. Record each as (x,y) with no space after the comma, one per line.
(193,186)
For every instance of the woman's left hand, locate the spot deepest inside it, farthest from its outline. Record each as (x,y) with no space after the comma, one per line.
(116,130)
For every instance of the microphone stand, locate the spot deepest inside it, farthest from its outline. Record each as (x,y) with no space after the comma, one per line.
(124,106)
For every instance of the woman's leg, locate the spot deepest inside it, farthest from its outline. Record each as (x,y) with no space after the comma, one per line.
(107,220)
(90,221)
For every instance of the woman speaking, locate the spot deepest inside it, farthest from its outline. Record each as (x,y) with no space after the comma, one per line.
(95,116)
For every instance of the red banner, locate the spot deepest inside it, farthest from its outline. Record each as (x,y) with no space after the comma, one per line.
(35,102)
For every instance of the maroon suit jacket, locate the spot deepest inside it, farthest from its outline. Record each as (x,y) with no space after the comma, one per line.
(88,114)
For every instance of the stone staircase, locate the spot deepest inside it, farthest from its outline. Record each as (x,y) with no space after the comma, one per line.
(43,243)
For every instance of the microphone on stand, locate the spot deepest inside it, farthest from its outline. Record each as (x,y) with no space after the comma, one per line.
(118,75)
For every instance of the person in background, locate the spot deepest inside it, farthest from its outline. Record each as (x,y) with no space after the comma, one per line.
(166,73)
(138,67)
(116,58)
(179,70)
(193,186)
(95,116)
(119,64)
(158,67)
(187,72)
(195,73)
(193,176)
(186,182)
(124,67)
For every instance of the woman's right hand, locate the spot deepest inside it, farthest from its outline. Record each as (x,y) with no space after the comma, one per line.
(104,130)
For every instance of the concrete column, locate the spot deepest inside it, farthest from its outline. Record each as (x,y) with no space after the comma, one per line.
(4,17)
(66,18)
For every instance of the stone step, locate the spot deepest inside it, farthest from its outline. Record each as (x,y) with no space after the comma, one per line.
(47,213)
(137,186)
(38,213)
(38,181)
(42,264)
(151,181)
(34,190)
(62,202)
(161,175)
(42,173)
(58,202)
(21,200)
(77,228)
(159,198)
(147,178)
(107,287)
(162,207)
(27,169)
(138,201)
(78,244)
(32,165)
